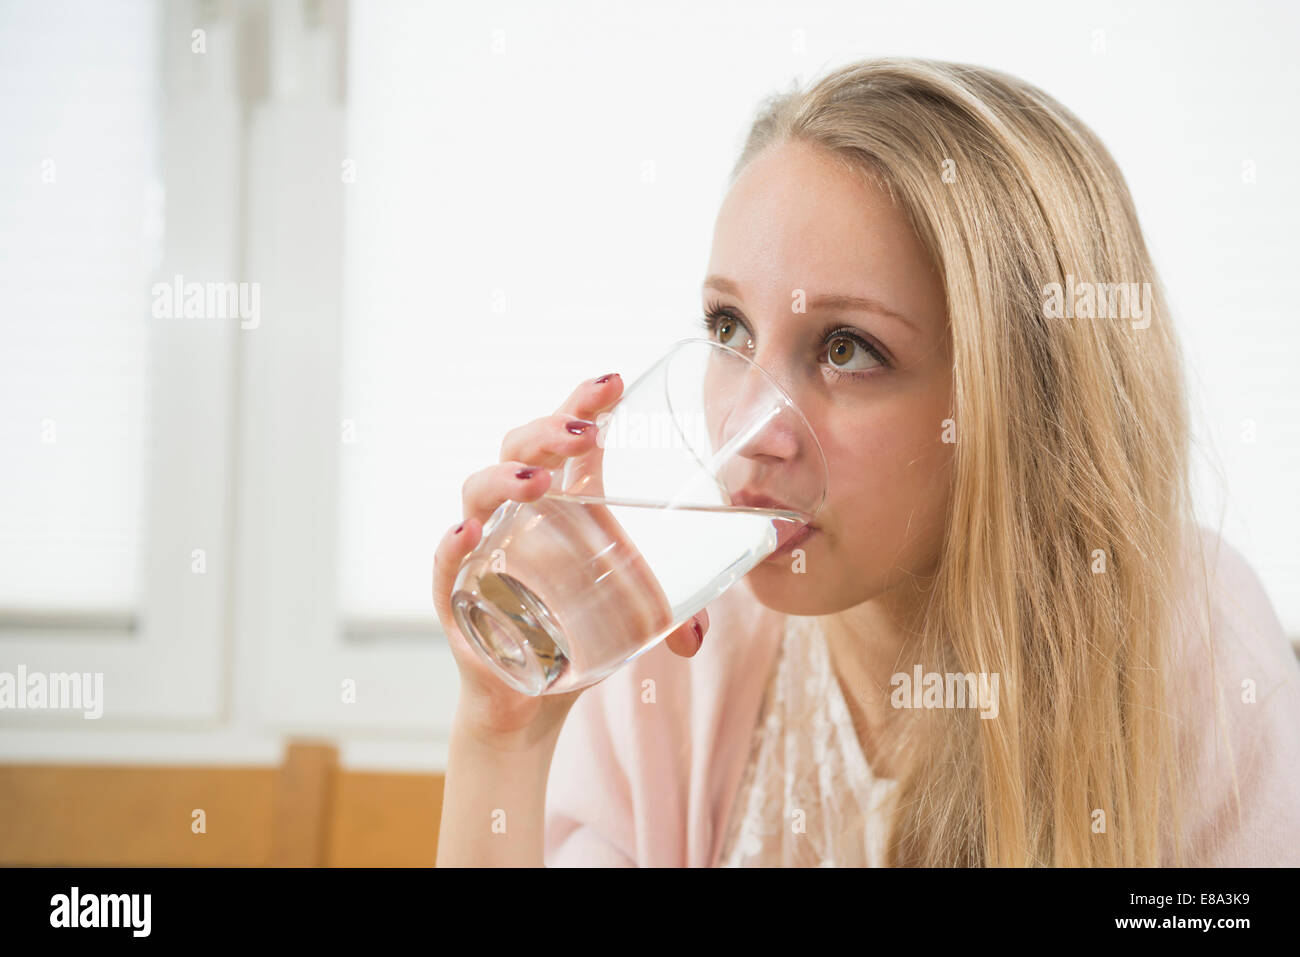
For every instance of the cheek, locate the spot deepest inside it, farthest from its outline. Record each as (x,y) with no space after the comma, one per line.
(889,475)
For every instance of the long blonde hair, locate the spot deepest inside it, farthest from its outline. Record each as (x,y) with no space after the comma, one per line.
(1071,511)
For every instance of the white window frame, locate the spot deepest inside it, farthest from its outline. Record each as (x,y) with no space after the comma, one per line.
(288,618)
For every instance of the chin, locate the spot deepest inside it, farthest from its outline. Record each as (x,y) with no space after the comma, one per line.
(775,586)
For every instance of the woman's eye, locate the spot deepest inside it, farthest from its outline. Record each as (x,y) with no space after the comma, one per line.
(728,331)
(846,353)
(842,351)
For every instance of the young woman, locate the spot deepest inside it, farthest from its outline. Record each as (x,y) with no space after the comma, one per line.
(1008,501)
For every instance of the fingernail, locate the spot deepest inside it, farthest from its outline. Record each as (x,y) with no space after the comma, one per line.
(578,426)
(699,634)
(458,528)
(605,378)
(526,473)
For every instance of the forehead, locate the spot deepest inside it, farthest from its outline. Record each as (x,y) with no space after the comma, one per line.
(797,218)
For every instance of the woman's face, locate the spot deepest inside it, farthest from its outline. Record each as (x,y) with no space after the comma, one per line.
(795,231)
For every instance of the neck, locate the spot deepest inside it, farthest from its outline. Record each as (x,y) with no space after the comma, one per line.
(868,644)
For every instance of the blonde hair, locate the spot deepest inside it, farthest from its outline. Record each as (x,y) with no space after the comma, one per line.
(1072,443)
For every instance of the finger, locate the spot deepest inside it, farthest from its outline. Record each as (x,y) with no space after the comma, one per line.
(584,471)
(589,400)
(542,441)
(457,542)
(592,396)
(548,441)
(685,641)
(485,490)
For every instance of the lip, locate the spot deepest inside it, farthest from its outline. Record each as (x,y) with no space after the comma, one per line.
(791,540)
(756,500)
(788,534)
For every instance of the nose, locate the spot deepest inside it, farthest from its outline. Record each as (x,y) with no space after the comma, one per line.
(760,422)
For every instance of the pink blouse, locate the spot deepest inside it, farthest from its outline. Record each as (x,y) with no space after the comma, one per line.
(703,762)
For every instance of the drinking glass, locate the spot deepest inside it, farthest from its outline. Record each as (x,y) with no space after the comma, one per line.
(703,468)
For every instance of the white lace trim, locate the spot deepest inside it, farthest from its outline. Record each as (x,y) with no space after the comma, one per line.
(805,758)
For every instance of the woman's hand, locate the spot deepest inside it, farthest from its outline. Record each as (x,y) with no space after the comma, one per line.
(488,708)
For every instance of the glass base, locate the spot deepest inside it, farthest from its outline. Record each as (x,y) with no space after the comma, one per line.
(513,631)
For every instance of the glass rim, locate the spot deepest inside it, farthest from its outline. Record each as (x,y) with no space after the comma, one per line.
(785,398)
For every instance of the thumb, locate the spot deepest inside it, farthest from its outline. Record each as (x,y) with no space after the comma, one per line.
(457,542)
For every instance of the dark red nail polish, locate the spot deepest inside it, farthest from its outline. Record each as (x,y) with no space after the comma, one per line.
(578,426)
(699,634)
(526,473)
(605,378)
(458,528)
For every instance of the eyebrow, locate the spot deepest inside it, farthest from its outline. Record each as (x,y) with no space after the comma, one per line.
(833,301)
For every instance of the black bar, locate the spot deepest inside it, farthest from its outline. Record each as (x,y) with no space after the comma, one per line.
(502,907)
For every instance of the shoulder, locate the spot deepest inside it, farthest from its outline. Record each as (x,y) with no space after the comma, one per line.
(646,756)
(1236,697)
(1226,620)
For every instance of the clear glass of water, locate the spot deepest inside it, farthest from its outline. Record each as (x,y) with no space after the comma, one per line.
(703,468)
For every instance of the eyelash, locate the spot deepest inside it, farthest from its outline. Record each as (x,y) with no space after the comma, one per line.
(714,313)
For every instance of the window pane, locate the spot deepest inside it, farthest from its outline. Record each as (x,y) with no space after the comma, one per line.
(80,230)
(458,324)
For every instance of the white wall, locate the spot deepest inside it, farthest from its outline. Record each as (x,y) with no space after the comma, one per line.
(521,174)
